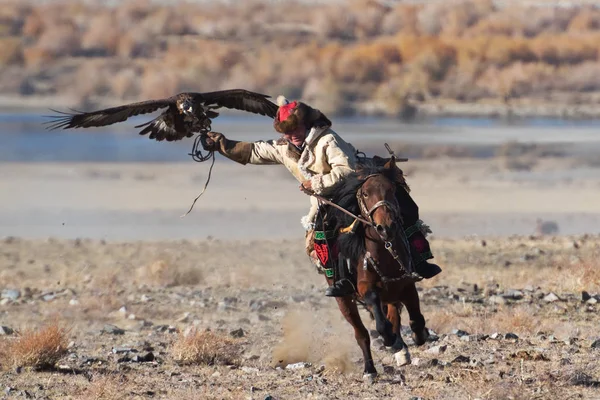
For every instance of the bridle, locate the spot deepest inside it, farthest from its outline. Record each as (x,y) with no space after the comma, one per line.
(393,207)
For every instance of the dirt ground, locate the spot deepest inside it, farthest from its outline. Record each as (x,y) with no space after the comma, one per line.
(528,287)
(100,250)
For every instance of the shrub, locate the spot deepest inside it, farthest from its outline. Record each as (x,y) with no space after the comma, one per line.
(205,347)
(39,349)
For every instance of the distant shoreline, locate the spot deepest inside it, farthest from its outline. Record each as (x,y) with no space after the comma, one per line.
(422,111)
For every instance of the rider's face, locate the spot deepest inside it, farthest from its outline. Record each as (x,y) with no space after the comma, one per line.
(298,134)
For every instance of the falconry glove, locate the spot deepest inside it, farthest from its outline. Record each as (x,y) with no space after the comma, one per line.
(237,151)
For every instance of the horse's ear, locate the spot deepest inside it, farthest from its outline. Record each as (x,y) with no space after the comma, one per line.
(391,164)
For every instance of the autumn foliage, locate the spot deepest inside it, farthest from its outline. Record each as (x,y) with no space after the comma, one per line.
(359,56)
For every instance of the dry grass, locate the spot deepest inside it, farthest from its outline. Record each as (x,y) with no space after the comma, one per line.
(168,273)
(466,51)
(205,347)
(39,349)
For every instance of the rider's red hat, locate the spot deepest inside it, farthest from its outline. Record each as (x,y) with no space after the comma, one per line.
(290,114)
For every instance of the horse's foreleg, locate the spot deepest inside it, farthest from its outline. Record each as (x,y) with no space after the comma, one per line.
(410,298)
(384,327)
(350,312)
(402,355)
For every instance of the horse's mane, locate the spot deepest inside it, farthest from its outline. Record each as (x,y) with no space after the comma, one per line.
(352,245)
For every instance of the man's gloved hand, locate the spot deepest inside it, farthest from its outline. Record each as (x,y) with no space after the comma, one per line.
(213,141)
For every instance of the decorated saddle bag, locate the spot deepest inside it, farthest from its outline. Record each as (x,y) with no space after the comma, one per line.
(326,247)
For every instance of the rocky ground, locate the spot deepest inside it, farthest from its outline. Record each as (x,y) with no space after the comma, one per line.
(511,318)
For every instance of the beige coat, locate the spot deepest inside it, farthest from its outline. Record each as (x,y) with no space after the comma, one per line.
(326,160)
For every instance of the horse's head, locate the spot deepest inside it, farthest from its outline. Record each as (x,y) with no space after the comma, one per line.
(377,200)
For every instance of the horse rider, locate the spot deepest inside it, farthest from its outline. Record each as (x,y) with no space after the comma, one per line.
(320,160)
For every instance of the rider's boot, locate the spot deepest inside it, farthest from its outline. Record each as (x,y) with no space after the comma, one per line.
(342,286)
(421,252)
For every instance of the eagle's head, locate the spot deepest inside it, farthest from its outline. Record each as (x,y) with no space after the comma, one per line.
(187,107)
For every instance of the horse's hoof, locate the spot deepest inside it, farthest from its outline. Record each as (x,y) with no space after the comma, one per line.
(402,357)
(421,338)
(398,344)
(370,378)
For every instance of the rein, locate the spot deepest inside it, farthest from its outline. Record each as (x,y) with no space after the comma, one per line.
(332,204)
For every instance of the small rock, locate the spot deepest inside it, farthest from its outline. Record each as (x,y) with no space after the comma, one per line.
(250,370)
(73,302)
(511,335)
(238,333)
(113,330)
(437,349)
(529,288)
(596,344)
(5,330)
(131,317)
(144,298)
(298,365)
(459,332)
(497,300)
(461,359)
(11,294)
(48,296)
(592,300)
(585,296)
(496,336)
(551,298)
(122,350)
(4,302)
(123,310)
(146,357)
(144,324)
(268,397)
(513,294)
(165,328)
(474,338)
(416,362)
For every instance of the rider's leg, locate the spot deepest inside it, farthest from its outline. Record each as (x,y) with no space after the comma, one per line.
(412,225)
(343,285)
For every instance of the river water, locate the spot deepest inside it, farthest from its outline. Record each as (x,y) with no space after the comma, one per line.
(23,137)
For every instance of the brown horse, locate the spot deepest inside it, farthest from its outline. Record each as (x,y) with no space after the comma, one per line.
(378,257)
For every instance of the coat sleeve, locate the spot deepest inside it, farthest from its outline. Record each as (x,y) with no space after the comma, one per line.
(265,152)
(343,163)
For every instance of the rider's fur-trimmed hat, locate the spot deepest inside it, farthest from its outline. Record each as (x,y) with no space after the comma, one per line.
(290,114)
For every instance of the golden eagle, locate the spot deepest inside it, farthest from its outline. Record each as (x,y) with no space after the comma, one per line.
(186,113)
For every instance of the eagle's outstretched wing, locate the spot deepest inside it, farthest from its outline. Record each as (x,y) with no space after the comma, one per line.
(240,99)
(107,116)
(172,124)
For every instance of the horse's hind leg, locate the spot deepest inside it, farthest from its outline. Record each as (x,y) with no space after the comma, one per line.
(410,298)
(350,312)
(384,327)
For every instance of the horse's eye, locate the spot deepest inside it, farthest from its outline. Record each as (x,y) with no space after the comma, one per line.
(365,194)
